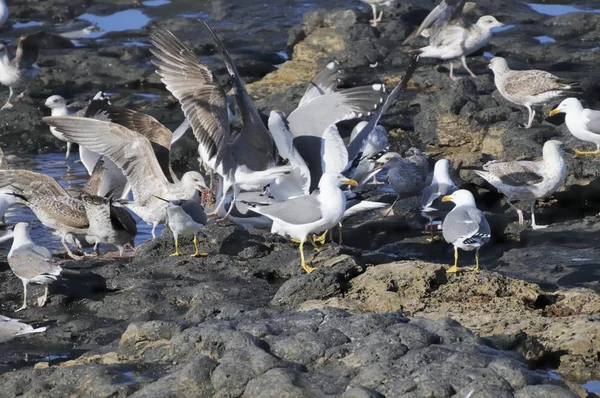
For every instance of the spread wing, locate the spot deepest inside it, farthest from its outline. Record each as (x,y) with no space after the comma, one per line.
(446,11)
(201,97)
(25,181)
(324,82)
(130,151)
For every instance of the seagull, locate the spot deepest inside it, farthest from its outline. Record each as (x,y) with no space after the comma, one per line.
(407,176)
(245,159)
(446,10)
(18,72)
(49,201)
(11,328)
(582,122)
(31,263)
(441,185)
(109,224)
(529,87)
(456,40)
(374,3)
(527,180)
(302,215)
(58,107)
(465,226)
(185,217)
(133,154)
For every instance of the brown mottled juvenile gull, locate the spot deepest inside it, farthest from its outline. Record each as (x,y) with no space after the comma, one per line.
(582,122)
(111,225)
(11,328)
(31,263)
(49,201)
(527,180)
(446,10)
(18,72)
(133,154)
(454,40)
(465,226)
(529,87)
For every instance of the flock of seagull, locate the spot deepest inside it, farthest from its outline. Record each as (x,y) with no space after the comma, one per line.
(295,175)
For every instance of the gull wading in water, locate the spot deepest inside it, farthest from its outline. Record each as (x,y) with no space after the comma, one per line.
(300,216)
(582,122)
(529,87)
(526,180)
(31,263)
(465,226)
(454,40)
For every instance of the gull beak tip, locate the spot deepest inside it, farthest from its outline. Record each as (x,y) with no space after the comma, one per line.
(351,182)
(447,198)
(554,112)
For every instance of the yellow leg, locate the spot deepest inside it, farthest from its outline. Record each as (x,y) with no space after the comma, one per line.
(579,152)
(476,269)
(296,240)
(197,252)
(321,238)
(177,252)
(302,262)
(454,268)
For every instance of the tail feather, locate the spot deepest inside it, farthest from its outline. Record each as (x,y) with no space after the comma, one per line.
(38,330)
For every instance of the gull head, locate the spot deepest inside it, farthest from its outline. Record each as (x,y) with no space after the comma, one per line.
(335,179)
(554,145)
(55,102)
(498,64)
(568,104)
(488,22)
(387,157)
(460,198)
(194,178)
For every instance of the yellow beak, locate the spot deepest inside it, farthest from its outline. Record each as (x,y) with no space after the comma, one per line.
(555,112)
(350,182)
(447,198)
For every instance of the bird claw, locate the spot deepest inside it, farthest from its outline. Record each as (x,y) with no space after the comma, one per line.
(308,269)
(41,301)
(199,254)
(8,105)
(452,270)
(176,254)
(24,306)
(536,227)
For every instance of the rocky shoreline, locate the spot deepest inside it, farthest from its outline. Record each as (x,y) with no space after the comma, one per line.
(380,317)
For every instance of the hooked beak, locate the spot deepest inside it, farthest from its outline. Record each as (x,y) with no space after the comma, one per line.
(350,182)
(447,198)
(158,197)
(554,112)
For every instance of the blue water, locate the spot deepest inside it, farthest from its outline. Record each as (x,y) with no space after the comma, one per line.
(555,10)
(133,19)
(30,24)
(155,3)
(545,39)
(72,176)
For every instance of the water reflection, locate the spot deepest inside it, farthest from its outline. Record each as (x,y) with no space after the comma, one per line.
(72,176)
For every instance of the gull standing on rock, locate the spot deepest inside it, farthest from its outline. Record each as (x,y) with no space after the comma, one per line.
(111,225)
(11,328)
(582,122)
(18,72)
(465,226)
(186,217)
(31,263)
(454,40)
(441,185)
(133,154)
(529,87)
(374,4)
(527,180)
(300,216)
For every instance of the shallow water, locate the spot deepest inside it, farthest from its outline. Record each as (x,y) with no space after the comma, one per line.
(555,10)
(72,176)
